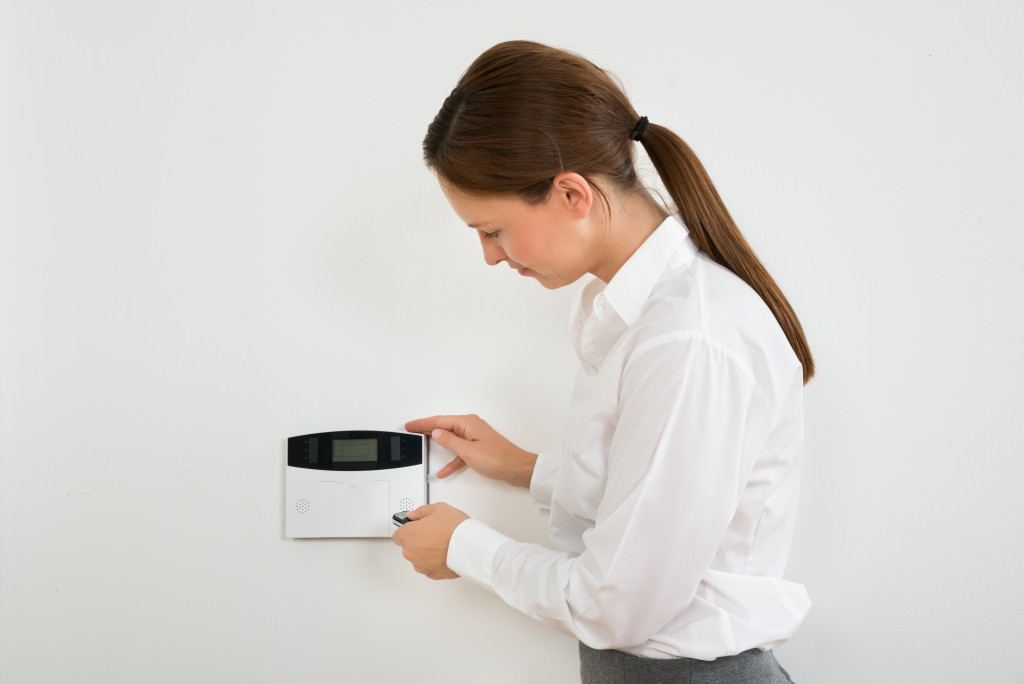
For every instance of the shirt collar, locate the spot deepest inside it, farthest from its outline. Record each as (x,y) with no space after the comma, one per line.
(632,285)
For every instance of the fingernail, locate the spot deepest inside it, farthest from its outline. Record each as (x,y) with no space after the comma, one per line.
(436,434)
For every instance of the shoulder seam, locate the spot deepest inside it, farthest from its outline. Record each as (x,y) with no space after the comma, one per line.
(700,336)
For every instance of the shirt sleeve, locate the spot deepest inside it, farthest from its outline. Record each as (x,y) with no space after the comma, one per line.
(691,420)
(542,483)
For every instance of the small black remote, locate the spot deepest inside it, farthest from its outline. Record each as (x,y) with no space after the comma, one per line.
(399,518)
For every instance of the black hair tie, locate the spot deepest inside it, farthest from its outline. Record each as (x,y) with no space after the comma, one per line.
(638,132)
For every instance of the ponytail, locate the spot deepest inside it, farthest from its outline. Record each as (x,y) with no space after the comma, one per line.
(714,231)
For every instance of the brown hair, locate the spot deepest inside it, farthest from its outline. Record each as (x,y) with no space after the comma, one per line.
(524,112)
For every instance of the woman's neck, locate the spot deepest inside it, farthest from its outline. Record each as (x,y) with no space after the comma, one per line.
(634,217)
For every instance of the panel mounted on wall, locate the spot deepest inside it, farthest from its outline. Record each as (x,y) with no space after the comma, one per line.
(349,483)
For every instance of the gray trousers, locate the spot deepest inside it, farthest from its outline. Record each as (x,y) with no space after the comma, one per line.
(615,667)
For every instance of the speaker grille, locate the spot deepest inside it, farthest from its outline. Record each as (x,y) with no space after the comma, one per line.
(302,505)
(405,504)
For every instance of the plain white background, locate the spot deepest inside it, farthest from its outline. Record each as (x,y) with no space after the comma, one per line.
(216,231)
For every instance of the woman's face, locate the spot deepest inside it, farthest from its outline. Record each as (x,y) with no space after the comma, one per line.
(546,241)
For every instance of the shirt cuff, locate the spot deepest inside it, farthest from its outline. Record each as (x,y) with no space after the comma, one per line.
(471,551)
(542,484)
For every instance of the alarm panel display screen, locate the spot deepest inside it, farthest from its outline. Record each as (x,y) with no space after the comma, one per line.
(353,450)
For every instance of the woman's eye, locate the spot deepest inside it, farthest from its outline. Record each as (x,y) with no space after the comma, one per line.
(492,235)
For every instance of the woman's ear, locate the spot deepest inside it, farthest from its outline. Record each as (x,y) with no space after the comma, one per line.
(573,193)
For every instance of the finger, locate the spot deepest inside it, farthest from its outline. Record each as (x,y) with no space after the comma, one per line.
(422,425)
(419,513)
(453,442)
(455,465)
(426,425)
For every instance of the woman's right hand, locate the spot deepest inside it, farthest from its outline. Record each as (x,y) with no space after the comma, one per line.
(477,445)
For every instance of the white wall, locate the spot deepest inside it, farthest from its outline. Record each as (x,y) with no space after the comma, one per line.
(216,232)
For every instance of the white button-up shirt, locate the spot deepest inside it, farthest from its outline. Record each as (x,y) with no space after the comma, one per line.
(673,502)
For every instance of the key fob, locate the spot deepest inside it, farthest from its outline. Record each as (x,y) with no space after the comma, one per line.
(399,518)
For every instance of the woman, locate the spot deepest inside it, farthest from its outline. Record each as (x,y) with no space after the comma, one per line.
(673,502)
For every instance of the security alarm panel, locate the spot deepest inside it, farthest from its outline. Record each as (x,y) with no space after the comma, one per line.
(351,483)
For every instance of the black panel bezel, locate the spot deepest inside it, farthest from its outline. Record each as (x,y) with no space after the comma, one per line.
(410,450)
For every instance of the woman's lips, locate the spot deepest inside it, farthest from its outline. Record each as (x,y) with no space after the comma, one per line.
(523,271)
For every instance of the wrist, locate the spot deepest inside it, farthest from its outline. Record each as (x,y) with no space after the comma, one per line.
(522,474)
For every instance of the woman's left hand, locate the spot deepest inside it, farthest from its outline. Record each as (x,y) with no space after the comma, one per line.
(425,538)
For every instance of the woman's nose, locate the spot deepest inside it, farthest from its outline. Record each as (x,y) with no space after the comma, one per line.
(493,253)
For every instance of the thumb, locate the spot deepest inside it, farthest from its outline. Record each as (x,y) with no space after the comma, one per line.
(419,513)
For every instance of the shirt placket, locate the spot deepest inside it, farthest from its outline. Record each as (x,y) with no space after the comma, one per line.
(592,352)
